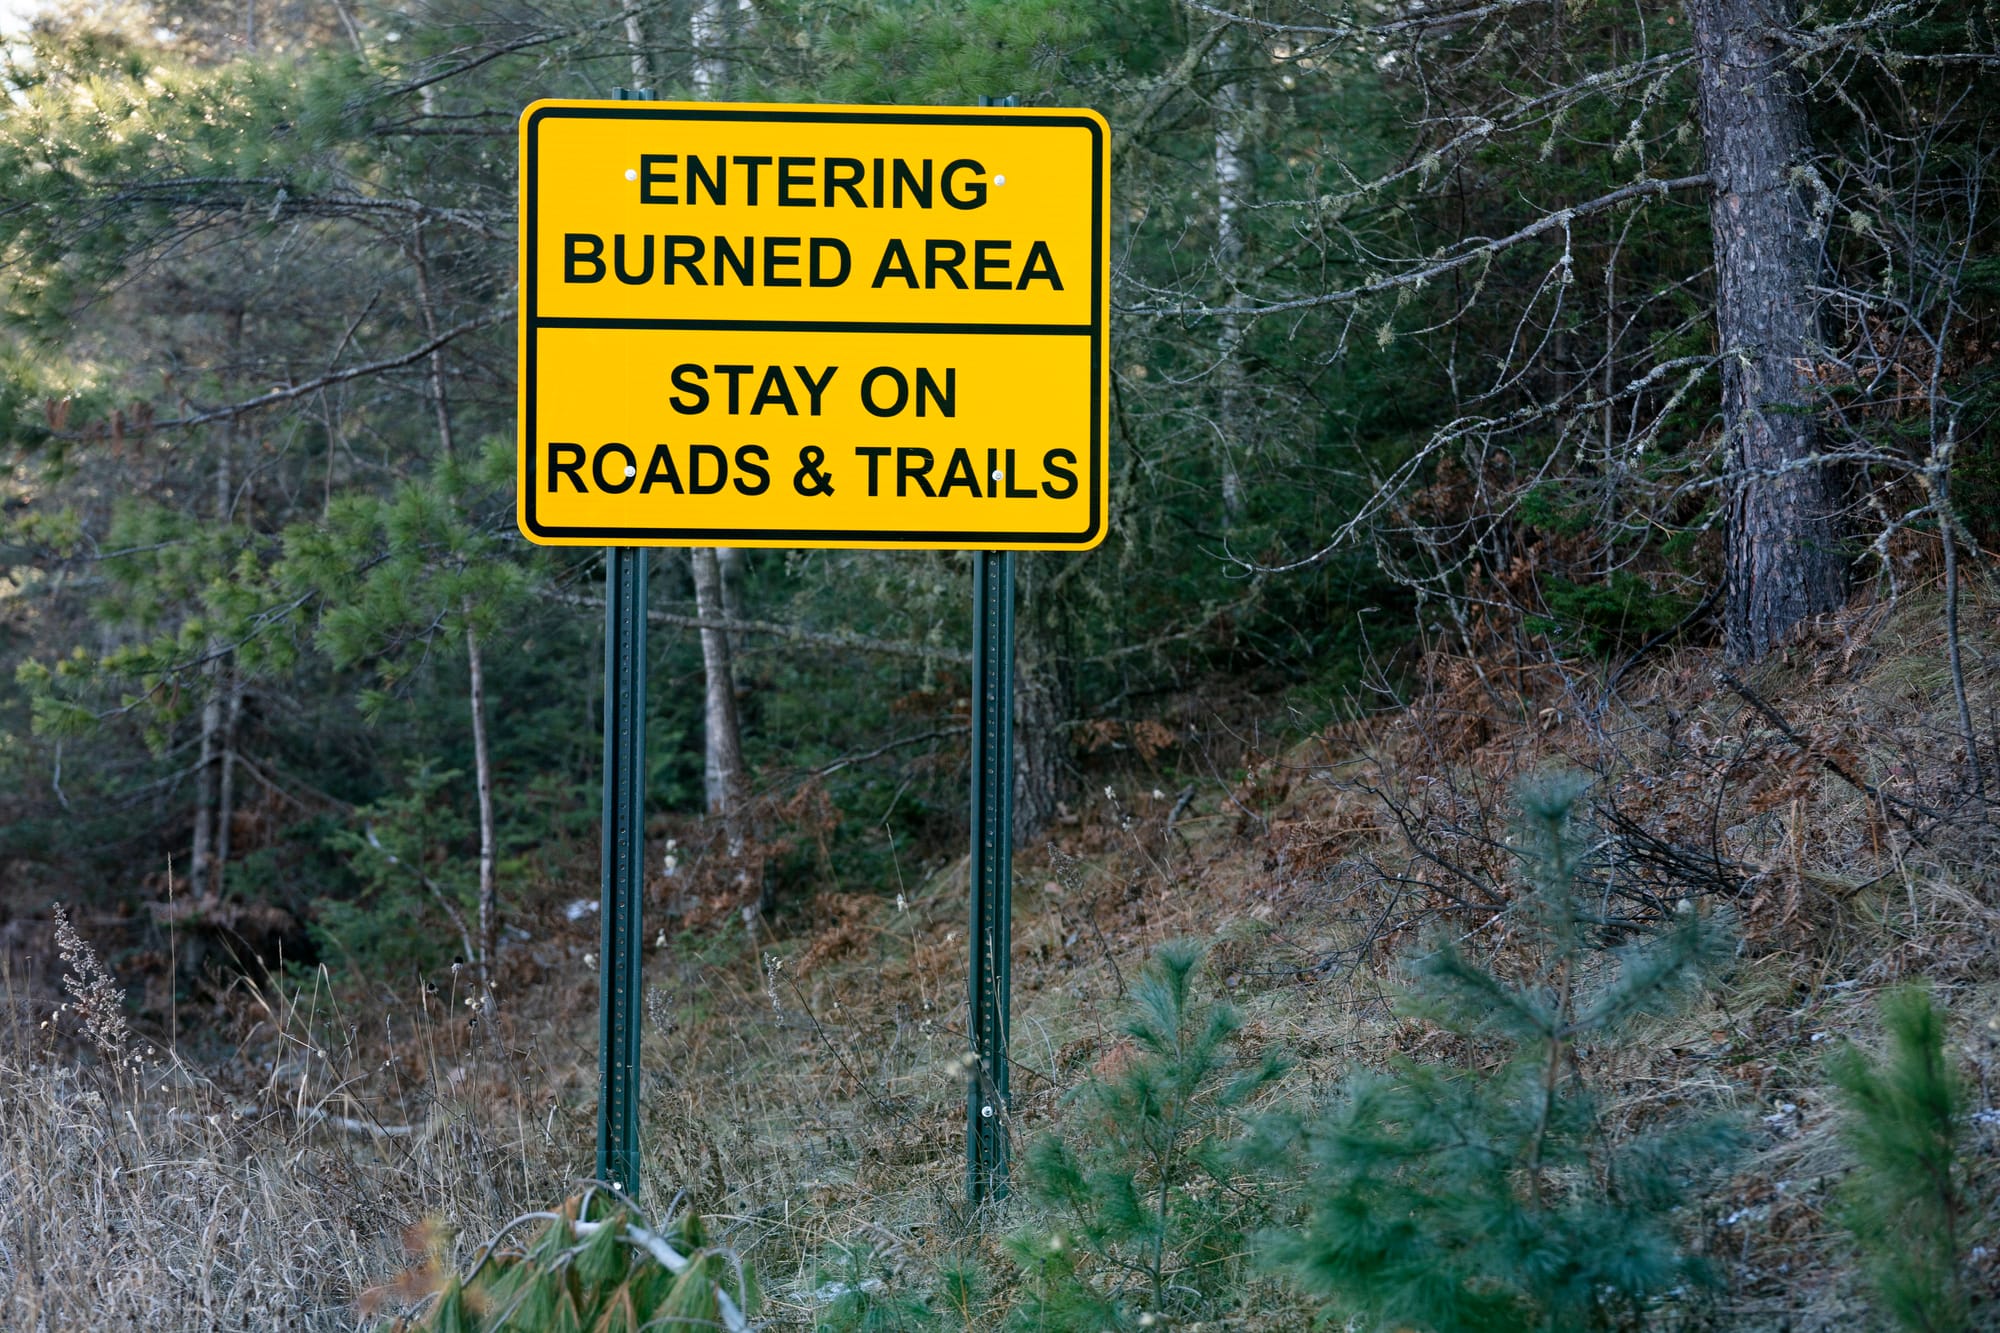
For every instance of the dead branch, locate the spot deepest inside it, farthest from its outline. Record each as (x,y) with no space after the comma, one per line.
(790,633)
(1473,251)
(1829,762)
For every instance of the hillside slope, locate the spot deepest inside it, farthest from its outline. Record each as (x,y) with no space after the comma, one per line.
(806,1069)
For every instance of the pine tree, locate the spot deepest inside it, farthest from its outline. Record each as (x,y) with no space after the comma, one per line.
(1148,1208)
(1906,1202)
(1471,1194)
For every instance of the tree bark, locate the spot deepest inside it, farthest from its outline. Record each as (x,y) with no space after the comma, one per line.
(212,777)
(706,23)
(729,559)
(1784,560)
(439,403)
(722,735)
(225,796)
(475,668)
(1040,748)
(482,770)
(1232,175)
(201,857)
(635,38)
(1044,695)
(722,766)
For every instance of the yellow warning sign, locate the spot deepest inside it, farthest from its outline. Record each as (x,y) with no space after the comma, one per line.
(813,326)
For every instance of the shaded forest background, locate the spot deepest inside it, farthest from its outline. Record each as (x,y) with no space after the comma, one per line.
(1413,314)
(1472,364)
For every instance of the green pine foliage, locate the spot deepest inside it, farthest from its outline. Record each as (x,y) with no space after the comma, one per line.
(861,1297)
(1487,1192)
(1147,1210)
(1906,1202)
(935,52)
(416,894)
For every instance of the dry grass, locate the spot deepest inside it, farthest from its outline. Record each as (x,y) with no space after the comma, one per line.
(137,1191)
(803,1087)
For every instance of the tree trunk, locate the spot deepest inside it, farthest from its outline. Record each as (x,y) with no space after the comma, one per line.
(722,766)
(714,599)
(440,405)
(204,872)
(201,858)
(1040,748)
(635,37)
(730,560)
(1044,693)
(1784,562)
(706,22)
(225,796)
(482,770)
(1232,175)
(475,666)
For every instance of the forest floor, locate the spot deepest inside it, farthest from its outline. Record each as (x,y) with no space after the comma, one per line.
(291,1161)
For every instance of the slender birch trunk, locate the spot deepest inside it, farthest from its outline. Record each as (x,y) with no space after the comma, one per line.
(635,37)
(201,857)
(214,774)
(482,771)
(1232,176)
(707,27)
(475,666)
(723,778)
(722,768)
(439,404)
(225,800)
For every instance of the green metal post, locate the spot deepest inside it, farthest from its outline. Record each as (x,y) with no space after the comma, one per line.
(992,937)
(986,1103)
(624,858)
(624,866)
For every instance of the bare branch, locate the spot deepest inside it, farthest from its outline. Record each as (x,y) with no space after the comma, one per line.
(1474,250)
(790,633)
(292,391)
(899,743)
(1416,23)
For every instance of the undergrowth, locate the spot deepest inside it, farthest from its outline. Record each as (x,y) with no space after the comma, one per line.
(1524,1136)
(1144,1207)
(594,1266)
(139,1191)
(1488,1191)
(1906,1202)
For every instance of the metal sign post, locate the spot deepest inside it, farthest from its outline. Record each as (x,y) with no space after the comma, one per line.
(990,984)
(992,871)
(624,866)
(624,859)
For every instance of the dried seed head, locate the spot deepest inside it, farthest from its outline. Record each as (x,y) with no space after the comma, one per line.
(96,997)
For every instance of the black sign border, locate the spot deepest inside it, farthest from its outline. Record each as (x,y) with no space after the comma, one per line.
(816,537)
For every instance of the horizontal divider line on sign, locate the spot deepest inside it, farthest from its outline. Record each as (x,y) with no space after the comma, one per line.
(798,536)
(806,325)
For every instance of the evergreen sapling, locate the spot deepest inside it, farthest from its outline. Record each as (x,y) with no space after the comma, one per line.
(1488,1193)
(1146,1214)
(1906,1201)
